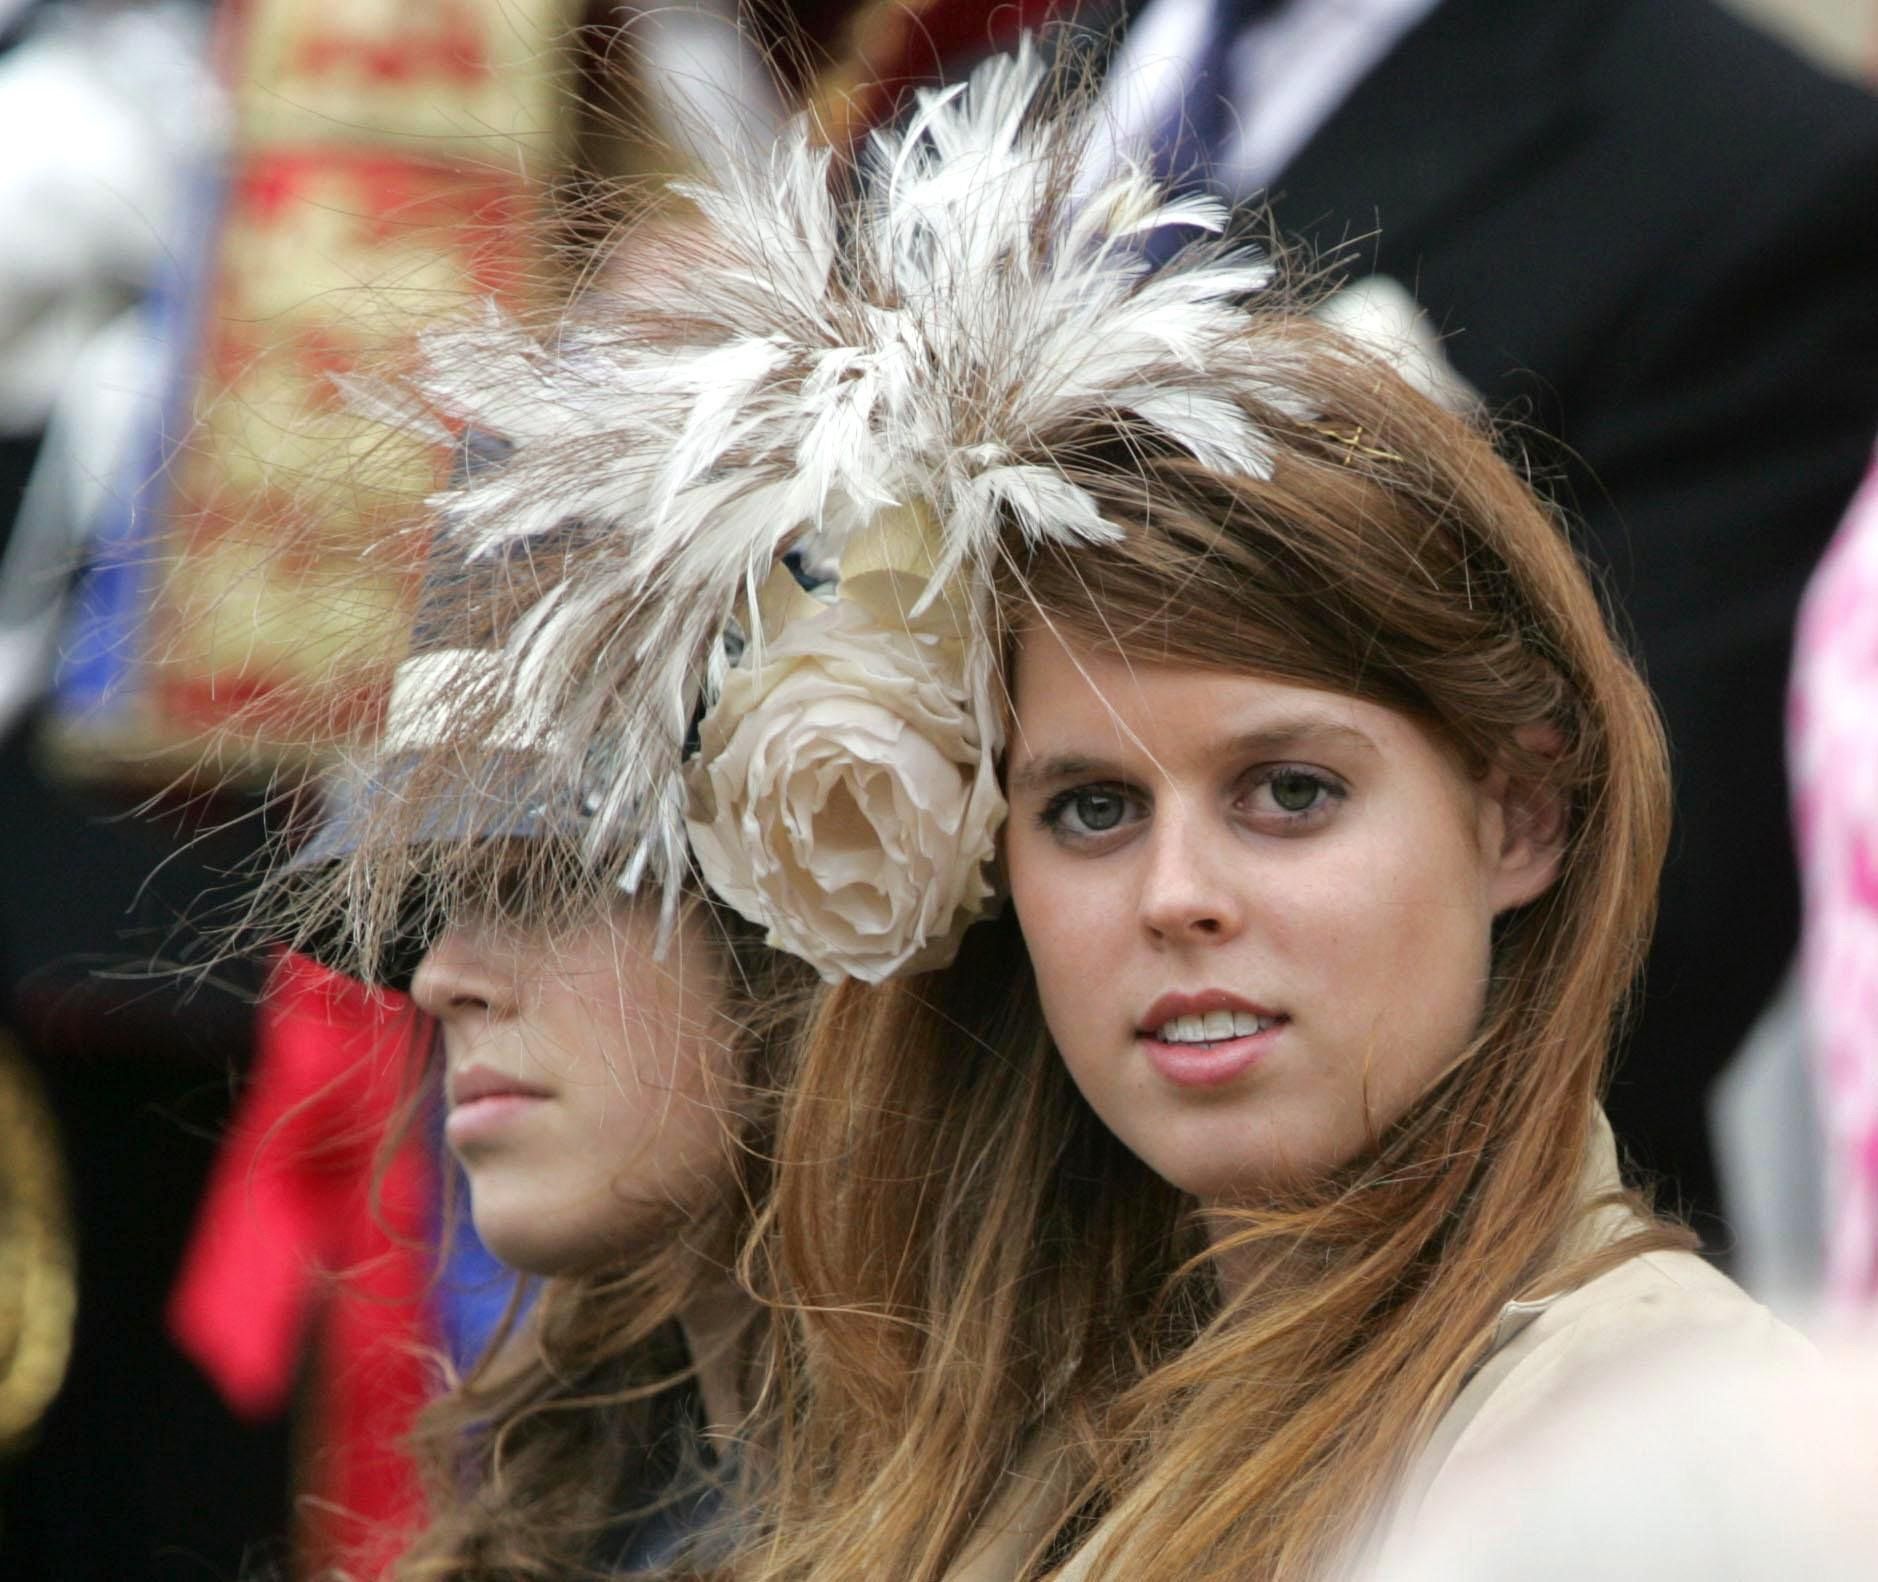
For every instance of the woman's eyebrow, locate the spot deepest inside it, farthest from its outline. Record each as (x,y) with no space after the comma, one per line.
(1291,734)
(1056,768)
(1305,730)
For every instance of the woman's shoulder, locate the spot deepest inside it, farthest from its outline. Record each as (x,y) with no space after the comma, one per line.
(1665,1291)
(1655,1421)
(1544,1352)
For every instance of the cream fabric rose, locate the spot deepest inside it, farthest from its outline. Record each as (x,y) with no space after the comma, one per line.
(843,794)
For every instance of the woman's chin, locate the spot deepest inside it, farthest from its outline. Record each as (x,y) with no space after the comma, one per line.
(1237,1169)
(522,1252)
(532,1238)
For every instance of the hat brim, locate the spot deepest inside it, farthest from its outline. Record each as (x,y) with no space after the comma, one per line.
(509,803)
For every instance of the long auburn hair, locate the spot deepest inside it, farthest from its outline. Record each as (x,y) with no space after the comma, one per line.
(580,1415)
(991,1291)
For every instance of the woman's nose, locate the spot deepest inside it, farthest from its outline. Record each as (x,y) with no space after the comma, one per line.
(1189,893)
(461,976)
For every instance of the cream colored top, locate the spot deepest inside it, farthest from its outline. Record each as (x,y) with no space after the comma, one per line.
(1541,1352)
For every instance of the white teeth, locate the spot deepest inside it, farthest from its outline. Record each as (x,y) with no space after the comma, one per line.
(1213,1027)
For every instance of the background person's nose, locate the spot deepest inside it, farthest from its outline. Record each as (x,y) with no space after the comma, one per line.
(460,976)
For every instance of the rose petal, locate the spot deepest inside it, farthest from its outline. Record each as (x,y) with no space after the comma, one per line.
(842,793)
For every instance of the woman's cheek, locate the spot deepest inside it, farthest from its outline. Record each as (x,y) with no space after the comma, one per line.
(1073,919)
(1043,884)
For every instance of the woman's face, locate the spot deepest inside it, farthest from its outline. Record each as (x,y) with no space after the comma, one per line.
(1258,913)
(585,1080)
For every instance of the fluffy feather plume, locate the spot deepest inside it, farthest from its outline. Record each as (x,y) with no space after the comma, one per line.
(915,334)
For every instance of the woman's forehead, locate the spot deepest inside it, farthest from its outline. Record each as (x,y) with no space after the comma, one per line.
(1065,691)
(1077,709)
(1201,642)
(1050,664)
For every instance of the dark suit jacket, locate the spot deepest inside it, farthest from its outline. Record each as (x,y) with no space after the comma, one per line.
(1651,234)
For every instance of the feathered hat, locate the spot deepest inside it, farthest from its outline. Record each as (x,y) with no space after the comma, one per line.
(779,470)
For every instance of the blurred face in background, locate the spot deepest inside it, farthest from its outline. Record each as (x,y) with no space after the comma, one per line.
(586,1082)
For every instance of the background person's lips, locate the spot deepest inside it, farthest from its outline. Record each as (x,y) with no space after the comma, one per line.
(483,1119)
(475,1083)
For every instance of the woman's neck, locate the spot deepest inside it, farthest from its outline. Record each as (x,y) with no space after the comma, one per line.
(1235,1267)
(714,1323)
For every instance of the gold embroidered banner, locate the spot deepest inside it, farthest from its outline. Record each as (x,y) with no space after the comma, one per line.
(388,163)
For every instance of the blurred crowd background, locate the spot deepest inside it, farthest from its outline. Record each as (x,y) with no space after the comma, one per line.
(1643,232)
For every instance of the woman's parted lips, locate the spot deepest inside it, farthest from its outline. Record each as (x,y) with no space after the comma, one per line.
(1172,1007)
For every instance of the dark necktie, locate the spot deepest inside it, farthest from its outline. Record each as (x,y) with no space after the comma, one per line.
(1187,145)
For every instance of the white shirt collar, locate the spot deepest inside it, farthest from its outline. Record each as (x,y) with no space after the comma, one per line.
(1289,71)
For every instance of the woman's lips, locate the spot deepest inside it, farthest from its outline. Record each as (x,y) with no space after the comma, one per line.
(483,1103)
(481,1120)
(1209,1065)
(1206,1039)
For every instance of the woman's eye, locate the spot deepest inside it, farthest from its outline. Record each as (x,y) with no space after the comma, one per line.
(1295,792)
(1088,810)
(1298,794)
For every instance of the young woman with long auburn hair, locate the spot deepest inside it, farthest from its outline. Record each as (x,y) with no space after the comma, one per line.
(601,1066)
(608,1102)
(1220,1164)
(1191,1214)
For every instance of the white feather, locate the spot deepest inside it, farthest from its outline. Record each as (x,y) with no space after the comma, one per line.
(832,356)
(1215,431)
(396,409)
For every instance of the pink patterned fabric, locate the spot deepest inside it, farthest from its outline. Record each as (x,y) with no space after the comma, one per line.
(1833,729)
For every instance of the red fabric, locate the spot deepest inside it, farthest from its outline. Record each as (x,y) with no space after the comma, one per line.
(288,1225)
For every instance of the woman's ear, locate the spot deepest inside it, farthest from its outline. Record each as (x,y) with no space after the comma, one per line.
(1531,826)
